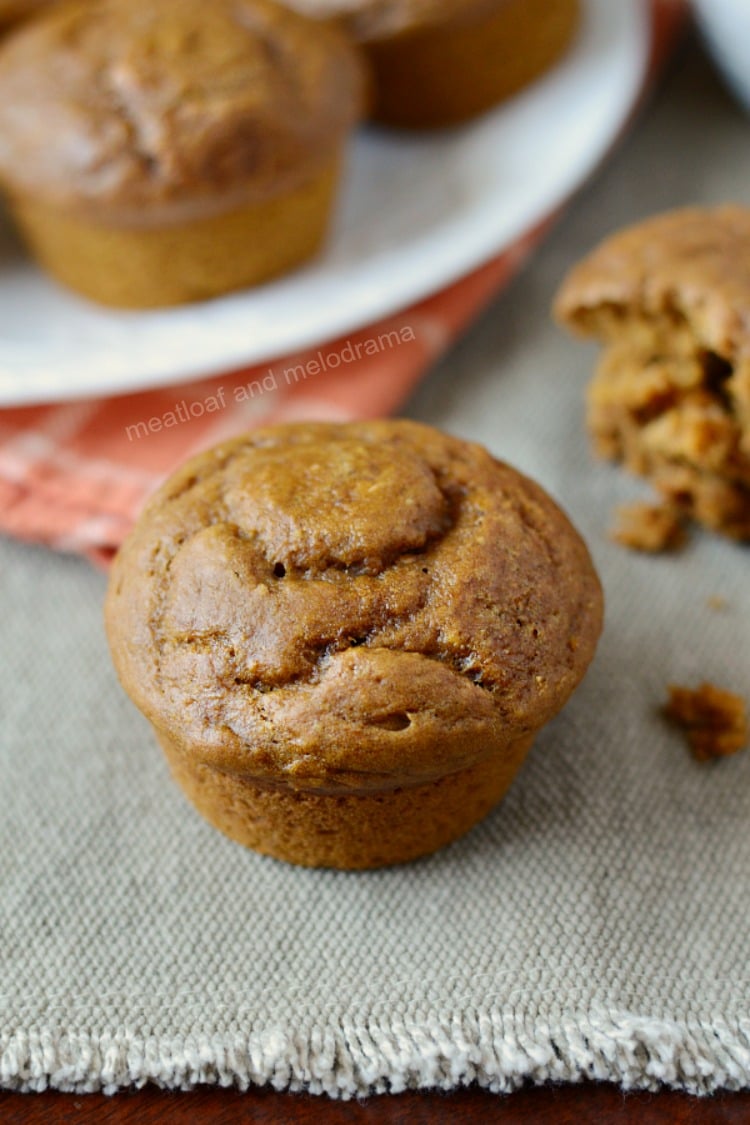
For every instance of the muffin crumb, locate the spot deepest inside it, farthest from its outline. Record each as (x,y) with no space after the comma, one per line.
(649,527)
(717,603)
(715,721)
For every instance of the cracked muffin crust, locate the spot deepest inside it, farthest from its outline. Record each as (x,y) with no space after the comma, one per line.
(346,636)
(165,129)
(670,301)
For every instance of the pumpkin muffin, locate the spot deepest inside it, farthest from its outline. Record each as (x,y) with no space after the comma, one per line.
(156,153)
(441,62)
(346,636)
(670,301)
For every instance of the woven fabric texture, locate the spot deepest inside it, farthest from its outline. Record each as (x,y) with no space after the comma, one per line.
(593,925)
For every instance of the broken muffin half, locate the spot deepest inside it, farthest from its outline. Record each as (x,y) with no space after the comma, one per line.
(670,398)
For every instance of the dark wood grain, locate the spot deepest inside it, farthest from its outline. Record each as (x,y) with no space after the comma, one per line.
(586,1104)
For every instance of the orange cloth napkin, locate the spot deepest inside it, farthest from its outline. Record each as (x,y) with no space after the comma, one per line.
(74,475)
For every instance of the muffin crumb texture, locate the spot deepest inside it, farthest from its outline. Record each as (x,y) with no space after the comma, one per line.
(670,301)
(715,721)
(323,617)
(652,528)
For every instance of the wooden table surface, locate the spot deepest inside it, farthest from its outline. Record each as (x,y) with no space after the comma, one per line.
(558,1105)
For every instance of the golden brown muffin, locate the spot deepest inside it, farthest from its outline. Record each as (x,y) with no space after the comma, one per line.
(440,62)
(161,153)
(347,636)
(670,301)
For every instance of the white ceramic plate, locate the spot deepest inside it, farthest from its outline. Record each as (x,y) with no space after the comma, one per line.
(415,214)
(726,29)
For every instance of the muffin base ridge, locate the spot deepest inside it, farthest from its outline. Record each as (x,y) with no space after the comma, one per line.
(349,832)
(437,76)
(137,267)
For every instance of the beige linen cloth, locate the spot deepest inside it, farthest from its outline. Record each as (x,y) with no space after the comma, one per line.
(595,925)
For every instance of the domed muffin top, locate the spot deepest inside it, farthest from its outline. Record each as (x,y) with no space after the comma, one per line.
(692,263)
(176,106)
(339,606)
